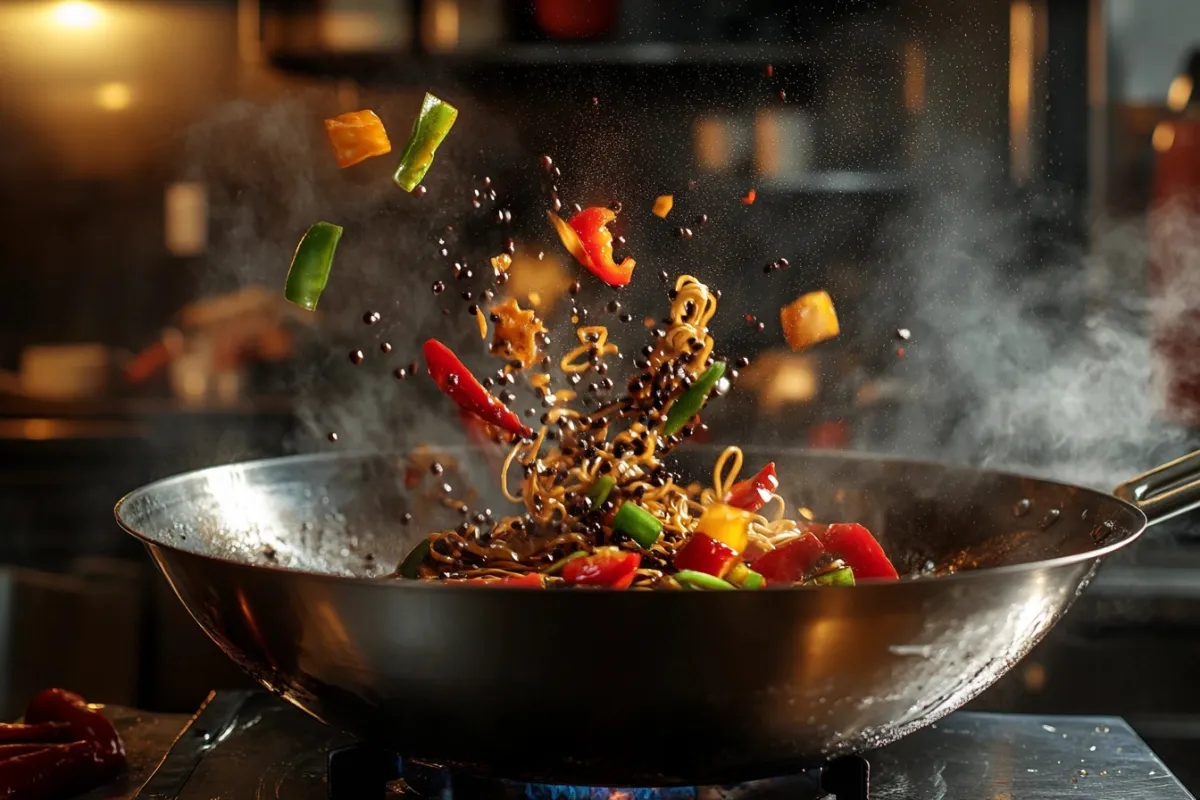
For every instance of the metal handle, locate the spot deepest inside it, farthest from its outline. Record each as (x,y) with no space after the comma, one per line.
(1166,491)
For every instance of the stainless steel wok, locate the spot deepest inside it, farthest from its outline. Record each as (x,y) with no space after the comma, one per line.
(280,562)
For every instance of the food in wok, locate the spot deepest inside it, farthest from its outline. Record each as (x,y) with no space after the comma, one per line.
(602,507)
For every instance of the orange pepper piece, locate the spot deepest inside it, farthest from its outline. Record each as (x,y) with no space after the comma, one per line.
(808,320)
(356,137)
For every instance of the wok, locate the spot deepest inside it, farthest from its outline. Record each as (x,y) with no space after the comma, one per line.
(633,688)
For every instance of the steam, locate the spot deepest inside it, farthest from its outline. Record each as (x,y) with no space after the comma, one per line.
(270,175)
(1039,367)
(1023,356)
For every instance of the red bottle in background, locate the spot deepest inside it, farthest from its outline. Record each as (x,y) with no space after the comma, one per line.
(1174,237)
(576,19)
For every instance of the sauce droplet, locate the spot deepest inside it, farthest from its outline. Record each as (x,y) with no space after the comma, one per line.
(333,437)
(356,357)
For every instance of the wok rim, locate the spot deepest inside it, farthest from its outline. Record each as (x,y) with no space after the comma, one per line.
(869,583)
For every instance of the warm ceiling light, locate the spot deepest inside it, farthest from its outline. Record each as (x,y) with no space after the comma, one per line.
(1179,93)
(77,14)
(114,96)
(1163,137)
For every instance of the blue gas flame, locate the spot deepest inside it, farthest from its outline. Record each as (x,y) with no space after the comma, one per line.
(558,791)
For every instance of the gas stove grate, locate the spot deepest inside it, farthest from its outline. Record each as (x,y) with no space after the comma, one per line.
(362,772)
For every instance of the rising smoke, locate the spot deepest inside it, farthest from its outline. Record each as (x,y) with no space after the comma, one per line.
(1043,367)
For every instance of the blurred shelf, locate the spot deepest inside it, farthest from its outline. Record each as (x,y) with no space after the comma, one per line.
(22,410)
(377,66)
(830,182)
(837,182)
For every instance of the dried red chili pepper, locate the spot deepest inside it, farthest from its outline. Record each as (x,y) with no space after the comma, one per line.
(52,771)
(43,732)
(88,724)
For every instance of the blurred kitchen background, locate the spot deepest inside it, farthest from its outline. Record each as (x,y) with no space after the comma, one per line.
(150,153)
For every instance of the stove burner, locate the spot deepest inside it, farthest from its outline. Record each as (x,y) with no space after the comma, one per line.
(360,772)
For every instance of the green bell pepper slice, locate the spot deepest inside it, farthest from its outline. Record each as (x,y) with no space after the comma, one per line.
(690,579)
(410,566)
(688,404)
(837,577)
(638,524)
(433,123)
(599,491)
(311,263)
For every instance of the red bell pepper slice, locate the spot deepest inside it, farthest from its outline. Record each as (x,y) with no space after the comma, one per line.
(701,553)
(607,566)
(790,562)
(533,580)
(457,383)
(591,225)
(855,545)
(753,493)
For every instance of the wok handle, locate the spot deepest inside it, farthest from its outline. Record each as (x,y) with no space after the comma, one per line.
(1166,491)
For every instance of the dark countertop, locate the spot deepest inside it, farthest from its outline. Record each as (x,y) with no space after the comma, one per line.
(250,744)
(147,737)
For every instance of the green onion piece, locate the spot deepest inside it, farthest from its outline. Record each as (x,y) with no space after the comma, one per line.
(599,490)
(743,577)
(638,524)
(690,402)
(311,263)
(412,562)
(837,577)
(433,123)
(690,579)
(557,566)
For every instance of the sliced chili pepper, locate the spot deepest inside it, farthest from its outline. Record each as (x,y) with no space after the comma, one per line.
(433,123)
(599,491)
(311,263)
(702,553)
(753,493)
(726,524)
(55,770)
(637,523)
(607,567)
(88,724)
(702,581)
(457,383)
(356,137)
(837,577)
(855,545)
(688,404)
(790,562)
(42,732)
(591,226)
